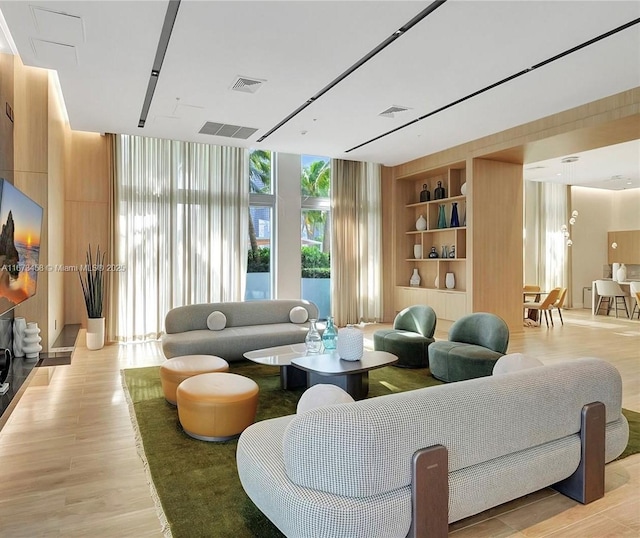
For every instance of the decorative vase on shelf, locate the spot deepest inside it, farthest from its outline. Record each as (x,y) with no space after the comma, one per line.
(417,252)
(350,343)
(463,189)
(313,340)
(439,192)
(445,251)
(436,283)
(450,281)
(621,275)
(442,218)
(452,252)
(421,224)
(31,341)
(95,333)
(425,195)
(433,253)
(414,281)
(330,335)
(19,325)
(455,222)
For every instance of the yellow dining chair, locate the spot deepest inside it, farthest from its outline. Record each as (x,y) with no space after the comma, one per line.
(545,306)
(559,303)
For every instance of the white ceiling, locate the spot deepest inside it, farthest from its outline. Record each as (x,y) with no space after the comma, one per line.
(104,51)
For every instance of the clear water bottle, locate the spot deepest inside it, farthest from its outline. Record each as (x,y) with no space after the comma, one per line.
(330,335)
(313,341)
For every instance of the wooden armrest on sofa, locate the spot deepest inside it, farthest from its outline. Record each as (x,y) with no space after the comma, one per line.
(430,477)
(587,483)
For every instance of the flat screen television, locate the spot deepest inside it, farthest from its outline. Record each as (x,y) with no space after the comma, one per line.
(20,231)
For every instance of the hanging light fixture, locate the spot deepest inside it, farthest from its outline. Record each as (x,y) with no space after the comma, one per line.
(568,175)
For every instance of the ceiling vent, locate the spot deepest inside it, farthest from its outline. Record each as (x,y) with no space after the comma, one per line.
(392,111)
(230,131)
(247,85)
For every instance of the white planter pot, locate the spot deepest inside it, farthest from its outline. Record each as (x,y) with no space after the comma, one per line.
(95,333)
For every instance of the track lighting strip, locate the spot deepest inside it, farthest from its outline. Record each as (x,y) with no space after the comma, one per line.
(503,81)
(399,32)
(163,44)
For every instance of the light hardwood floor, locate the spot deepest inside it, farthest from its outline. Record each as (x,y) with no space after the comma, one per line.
(69,466)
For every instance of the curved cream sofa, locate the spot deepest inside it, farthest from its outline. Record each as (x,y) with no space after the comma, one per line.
(249,325)
(346,469)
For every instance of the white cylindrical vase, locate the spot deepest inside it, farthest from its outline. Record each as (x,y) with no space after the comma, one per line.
(31,341)
(19,325)
(350,343)
(621,274)
(450,281)
(417,252)
(614,271)
(95,333)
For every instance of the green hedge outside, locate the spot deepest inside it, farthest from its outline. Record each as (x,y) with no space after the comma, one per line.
(315,263)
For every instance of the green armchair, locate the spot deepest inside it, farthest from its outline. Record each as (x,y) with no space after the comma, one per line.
(476,342)
(410,337)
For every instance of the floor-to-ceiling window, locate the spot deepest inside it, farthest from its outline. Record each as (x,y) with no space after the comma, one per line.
(282,261)
(315,221)
(259,283)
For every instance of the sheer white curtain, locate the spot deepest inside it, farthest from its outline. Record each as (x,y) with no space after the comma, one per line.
(356,242)
(181,229)
(549,202)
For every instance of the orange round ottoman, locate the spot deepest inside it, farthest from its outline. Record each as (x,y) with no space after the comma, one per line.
(217,407)
(176,370)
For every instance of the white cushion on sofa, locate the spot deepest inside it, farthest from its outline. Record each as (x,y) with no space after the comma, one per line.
(321,395)
(514,362)
(298,314)
(216,321)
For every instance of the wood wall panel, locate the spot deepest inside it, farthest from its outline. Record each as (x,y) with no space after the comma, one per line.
(88,176)
(496,240)
(628,250)
(30,132)
(58,141)
(6,126)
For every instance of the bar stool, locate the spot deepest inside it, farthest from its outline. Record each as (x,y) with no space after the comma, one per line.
(612,292)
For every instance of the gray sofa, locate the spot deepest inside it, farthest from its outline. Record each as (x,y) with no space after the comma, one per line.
(348,469)
(249,325)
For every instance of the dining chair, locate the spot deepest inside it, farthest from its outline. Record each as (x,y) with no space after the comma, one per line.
(527,289)
(613,293)
(546,305)
(559,303)
(635,293)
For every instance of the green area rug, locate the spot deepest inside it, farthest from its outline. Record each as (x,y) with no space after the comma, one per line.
(197,482)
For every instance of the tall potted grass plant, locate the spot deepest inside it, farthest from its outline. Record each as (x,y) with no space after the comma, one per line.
(92,282)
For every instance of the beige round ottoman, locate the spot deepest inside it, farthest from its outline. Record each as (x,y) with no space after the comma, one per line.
(216,407)
(176,370)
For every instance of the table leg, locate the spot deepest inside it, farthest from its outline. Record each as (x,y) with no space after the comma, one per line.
(357,385)
(292,377)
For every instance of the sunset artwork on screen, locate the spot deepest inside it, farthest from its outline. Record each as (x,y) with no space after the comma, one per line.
(20,230)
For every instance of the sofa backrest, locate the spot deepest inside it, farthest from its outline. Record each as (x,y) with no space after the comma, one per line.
(364,448)
(238,314)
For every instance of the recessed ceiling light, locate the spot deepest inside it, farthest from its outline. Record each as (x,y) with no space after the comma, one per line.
(569,159)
